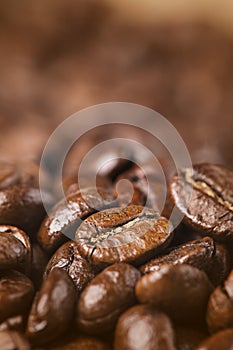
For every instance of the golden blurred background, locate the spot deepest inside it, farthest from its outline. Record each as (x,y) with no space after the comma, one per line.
(173,56)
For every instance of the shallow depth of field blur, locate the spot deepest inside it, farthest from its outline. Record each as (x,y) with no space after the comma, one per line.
(60,56)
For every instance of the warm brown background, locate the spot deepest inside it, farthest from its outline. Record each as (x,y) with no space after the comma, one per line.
(60,56)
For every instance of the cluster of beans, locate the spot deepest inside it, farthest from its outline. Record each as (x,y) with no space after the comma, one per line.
(109,272)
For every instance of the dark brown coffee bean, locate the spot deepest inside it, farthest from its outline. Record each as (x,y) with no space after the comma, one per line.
(109,294)
(181,291)
(210,209)
(141,327)
(67,215)
(14,323)
(220,306)
(15,249)
(220,341)
(53,308)
(114,167)
(204,254)
(198,253)
(67,257)
(132,235)
(39,262)
(189,338)
(10,340)
(22,207)
(16,293)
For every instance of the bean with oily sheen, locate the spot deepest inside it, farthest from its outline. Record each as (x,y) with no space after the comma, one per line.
(220,307)
(222,340)
(11,340)
(109,294)
(210,208)
(68,258)
(131,235)
(15,249)
(142,327)
(203,253)
(53,308)
(16,293)
(67,215)
(181,291)
(22,207)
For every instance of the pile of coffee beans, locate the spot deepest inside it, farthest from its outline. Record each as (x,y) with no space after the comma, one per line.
(109,272)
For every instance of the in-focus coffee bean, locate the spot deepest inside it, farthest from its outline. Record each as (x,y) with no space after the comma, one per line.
(132,235)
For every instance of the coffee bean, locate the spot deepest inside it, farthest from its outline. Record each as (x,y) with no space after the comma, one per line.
(220,341)
(181,291)
(10,340)
(198,253)
(16,293)
(15,249)
(213,259)
(53,308)
(109,294)
(220,306)
(68,258)
(133,235)
(67,215)
(210,209)
(141,327)
(22,207)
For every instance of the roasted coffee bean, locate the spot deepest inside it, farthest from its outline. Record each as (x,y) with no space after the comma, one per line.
(210,209)
(189,338)
(10,340)
(22,207)
(15,249)
(141,327)
(204,254)
(39,262)
(53,308)
(67,215)
(68,258)
(220,341)
(16,293)
(14,323)
(133,235)
(220,306)
(109,294)
(113,167)
(181,291)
